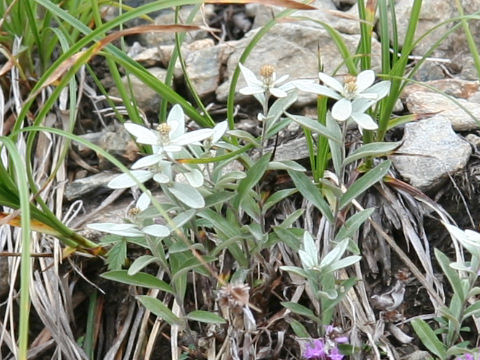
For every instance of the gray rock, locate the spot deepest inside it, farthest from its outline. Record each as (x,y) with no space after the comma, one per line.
(203,68)
(454,47)
(83,186)
(454,87)
(429,102)
(152,39)
(147,99)
(436,152)
(432,13)
(292,49)
(474,140)
(148,57)
(345,22)
(342,3)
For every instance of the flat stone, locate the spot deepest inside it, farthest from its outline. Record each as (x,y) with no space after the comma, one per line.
(345,22)
(455,87)
(147,99)
(293,49)
(203,68)
(429,102)
(432,13)
(152,39)
(83,186)
(436,151)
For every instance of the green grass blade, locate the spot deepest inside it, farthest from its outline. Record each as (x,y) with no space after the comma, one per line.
(26,261)
(366,181)
(383,25)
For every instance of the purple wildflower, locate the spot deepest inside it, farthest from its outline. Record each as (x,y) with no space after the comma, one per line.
(465,357)
(333,333)
(315,350)
(335,354)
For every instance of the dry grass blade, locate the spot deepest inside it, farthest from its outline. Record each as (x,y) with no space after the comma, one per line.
(49,305)
(113,351)
(289,4)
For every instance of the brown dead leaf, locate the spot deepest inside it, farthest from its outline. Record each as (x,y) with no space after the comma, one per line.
(63,68)
(7,66)
(289,4)
(145,29)
(68,63)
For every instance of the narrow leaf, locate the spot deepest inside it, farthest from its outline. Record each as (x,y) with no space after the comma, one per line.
(300,309)
(372,149)
(160,309)
(451,274)
(429,339)
(138,279)
(188,195)
(254,174)
(353,224)
(206,317)
(364,183)
(140,263)
(311,193)
(315,126)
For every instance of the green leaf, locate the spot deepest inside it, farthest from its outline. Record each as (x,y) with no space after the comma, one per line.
(140,263)
(365,182)
(336,148)
(353,223)
(372,149)
(315,126)
(288,237)
(429,339)
(276,197)
(300,310)
(182,218)
(218,198)
(117,255)
(451,274)
(206,317)
(334,255)
(472,310)
(310,192)
(295,270)
(160,309)
(188,195)
(138,279)
(285,165)
(343,263)
(228,231)
(277,109)
(254,174)
(299,329)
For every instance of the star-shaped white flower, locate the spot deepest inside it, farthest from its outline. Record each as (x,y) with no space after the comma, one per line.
(268,82)
(169,137)
(355,95)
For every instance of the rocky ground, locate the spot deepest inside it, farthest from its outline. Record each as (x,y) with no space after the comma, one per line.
(438,155)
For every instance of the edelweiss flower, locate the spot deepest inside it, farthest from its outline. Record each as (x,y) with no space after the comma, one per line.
(355,95)
(268,82)
(170,136)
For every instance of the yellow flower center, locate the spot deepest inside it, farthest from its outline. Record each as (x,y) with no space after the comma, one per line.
(164,129)
(133,211)
(266,72)
(350,86)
